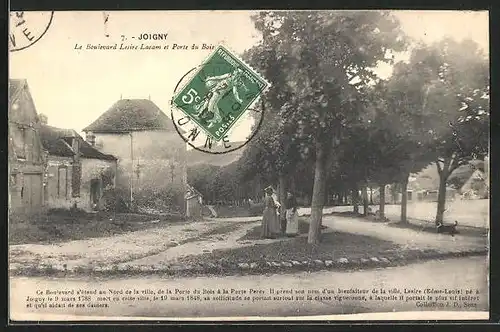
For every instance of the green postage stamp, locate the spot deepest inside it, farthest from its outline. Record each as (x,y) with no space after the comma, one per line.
(222,90)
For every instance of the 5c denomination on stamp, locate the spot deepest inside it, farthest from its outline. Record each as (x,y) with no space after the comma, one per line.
(27,27)
(222,90)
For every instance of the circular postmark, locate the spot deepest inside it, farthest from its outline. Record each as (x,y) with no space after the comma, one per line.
(193,130)
(27,27)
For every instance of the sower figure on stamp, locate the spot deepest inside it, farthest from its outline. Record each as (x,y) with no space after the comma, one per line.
(292,217)
(270,222)
(218,87)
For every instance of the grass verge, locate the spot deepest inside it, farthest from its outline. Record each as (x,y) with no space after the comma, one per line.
(59,226)
(429,227)
(333,244)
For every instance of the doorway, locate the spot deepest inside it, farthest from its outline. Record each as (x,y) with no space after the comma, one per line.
(32,192)
(95,193)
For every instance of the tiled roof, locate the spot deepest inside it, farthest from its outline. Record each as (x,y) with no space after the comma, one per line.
(193,190)
(88,151)
(53,142)
(131,115)
(15,86)
(56,142)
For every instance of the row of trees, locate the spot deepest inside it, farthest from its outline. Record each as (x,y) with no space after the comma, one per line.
(330,119)
(333,126)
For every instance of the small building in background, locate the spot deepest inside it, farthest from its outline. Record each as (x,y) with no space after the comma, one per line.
(77,173)
(194,203)
(476,187)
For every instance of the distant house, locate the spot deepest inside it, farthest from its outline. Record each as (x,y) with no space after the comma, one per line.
(476,186)
(425,185)
(151,155)
(26,156)
(77,173)
(422,186)
(194,200)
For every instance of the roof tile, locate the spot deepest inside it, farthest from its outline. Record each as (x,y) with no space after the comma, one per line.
(53,140)
(131,115)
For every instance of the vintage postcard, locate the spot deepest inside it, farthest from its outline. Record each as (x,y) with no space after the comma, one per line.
(248,165)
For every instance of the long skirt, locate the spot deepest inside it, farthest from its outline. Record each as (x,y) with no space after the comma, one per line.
(292,222)
(270,227)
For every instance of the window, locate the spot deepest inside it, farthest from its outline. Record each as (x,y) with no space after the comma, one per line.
(28,143)
(62,182)
(18,140)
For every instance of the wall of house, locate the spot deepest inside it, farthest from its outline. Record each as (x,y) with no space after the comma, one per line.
(92,169)
(25,188)
(58,189)
(151,160)
(26,157)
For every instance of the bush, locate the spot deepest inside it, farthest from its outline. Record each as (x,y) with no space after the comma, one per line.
(114,200)
(169,200)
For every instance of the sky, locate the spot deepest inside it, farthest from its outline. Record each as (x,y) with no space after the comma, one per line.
(74,87)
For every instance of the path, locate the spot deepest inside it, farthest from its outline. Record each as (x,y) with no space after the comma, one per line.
(450,274)
(472,213)
(223,241)
(155,247)
(408,238)
(113,249)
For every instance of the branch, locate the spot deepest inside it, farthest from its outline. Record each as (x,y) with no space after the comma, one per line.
(454,167)
(440,170)
(457,164)
(451,166)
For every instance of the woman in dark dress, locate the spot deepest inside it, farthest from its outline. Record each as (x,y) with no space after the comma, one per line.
(270,227)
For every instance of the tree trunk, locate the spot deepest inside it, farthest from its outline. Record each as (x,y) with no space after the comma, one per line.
(444,172)
(381,209)
(441,198)
(365,201)
(371,195)
(318,195)
(404,199)
(355,200)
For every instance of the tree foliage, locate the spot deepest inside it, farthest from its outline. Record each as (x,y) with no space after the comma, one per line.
(319,61)
(332,125)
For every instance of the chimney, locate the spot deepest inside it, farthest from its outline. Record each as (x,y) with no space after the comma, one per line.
(43,118)
(75,144)
(90,138)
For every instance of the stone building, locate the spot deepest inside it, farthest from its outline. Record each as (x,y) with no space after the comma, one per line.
(151,155)
(77,173)
(26,161)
